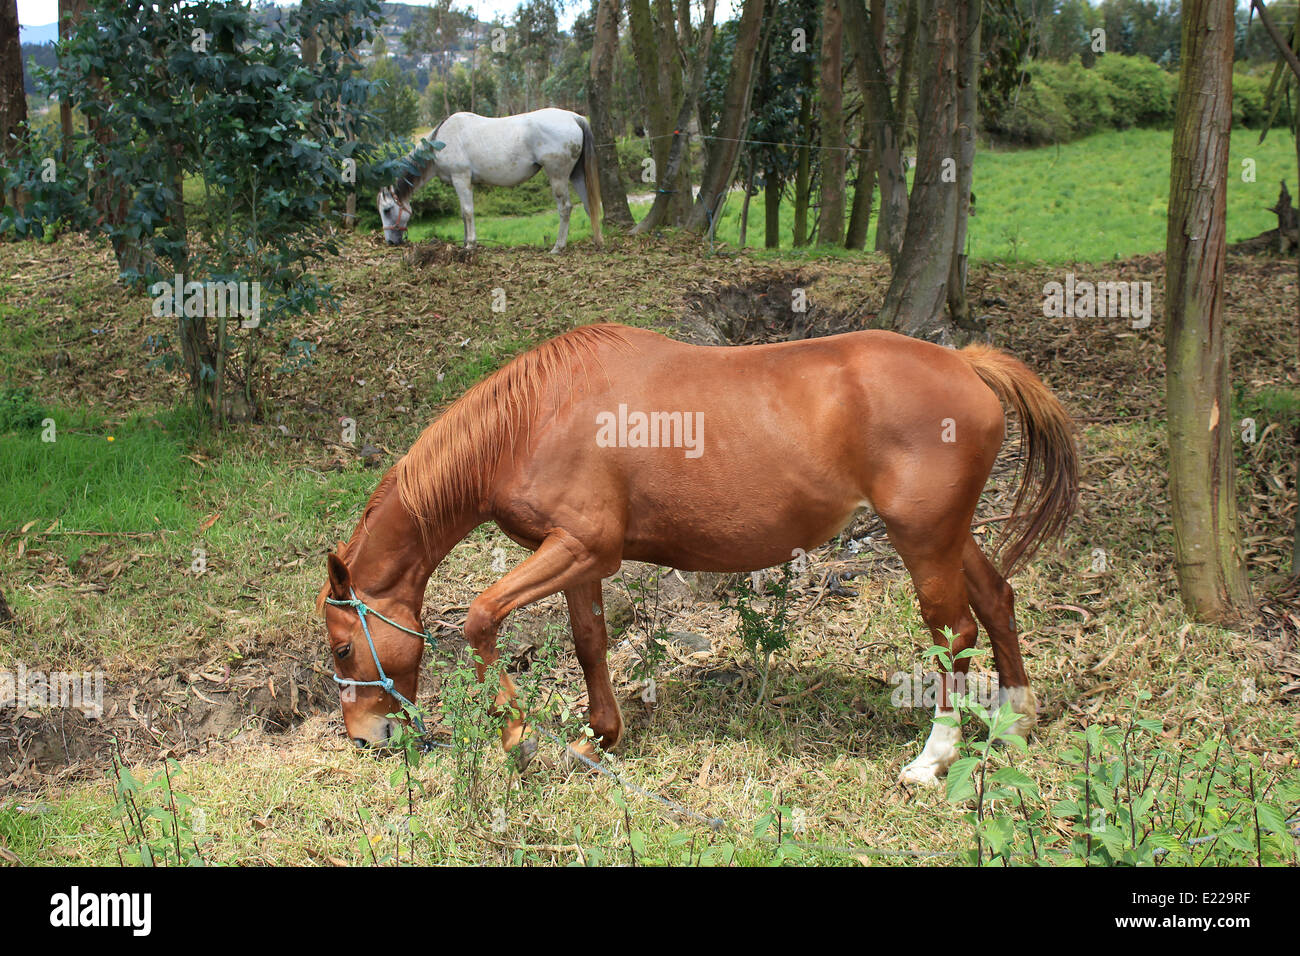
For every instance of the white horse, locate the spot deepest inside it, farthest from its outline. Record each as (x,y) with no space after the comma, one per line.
(467,148)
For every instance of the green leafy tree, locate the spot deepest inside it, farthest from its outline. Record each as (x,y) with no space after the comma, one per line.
(393,102)
(206,92)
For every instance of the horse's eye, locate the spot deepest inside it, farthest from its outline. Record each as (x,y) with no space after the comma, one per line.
(343,651)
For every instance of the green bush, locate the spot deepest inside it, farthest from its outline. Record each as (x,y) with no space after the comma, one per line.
(19,410)
(1086,94)
(1141,92)
(1037,115)
(1250,102)
(1064,101)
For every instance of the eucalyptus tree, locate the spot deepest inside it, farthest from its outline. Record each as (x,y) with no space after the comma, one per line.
(209,96)
(1208,553)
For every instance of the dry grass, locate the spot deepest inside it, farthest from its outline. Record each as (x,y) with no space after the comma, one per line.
(277,782)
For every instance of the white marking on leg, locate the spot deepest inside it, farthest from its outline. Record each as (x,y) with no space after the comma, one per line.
(938,755)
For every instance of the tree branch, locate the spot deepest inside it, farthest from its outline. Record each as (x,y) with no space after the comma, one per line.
(1283,47)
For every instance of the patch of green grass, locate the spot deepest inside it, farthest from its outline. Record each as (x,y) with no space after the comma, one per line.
(188,515)
(1096,199)
(120,476)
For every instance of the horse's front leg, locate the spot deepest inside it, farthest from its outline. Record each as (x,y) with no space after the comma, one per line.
(465,193)
(563,205)
(560,563)
(587,616)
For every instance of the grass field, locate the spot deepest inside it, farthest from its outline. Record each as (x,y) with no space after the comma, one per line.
(1096,199)
(184,565)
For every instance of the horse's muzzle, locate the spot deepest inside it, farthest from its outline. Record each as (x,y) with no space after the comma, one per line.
(382,734)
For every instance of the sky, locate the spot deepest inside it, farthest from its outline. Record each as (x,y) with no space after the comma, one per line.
(38,12)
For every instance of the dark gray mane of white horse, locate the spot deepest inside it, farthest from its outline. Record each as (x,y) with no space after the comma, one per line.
(415,167)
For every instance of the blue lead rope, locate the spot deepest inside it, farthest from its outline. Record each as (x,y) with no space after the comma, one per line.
(384,681)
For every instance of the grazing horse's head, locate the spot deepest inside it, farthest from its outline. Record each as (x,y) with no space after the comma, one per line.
(394,213)
(377,646)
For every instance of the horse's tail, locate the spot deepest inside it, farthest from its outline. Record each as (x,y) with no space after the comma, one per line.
(1049,485)
(586,165)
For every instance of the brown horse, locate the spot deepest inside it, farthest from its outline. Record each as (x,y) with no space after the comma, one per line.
(611,444)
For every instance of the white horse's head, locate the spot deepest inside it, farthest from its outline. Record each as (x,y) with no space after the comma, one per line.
(394,213)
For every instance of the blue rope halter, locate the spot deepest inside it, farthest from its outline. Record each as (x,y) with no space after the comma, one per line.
(384,681)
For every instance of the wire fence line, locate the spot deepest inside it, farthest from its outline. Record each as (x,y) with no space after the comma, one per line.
(756,142)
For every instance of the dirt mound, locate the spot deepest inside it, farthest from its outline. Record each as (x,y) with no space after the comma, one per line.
(777,307)
(435,252)
(196,704)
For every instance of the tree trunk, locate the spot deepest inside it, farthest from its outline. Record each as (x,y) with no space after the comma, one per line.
(906,64)
(968,60)
(872,78)
(13,100)
(658,108)
(772,209)
(721,166)
(599,97)
(803,164)
(830,230)
(1202,487)
(918,288)
(670,85)
(744,208)
(70,12)
(860,214)
(677,152)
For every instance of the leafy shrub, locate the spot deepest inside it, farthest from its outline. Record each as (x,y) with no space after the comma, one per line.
(1250,106)
(19,410)
(161,826)
(1063,101)
(1037,115)
(1086,94)
(1141,92)
(763,630)
(1131,801)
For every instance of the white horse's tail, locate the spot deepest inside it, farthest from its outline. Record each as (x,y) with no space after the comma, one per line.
(585,169)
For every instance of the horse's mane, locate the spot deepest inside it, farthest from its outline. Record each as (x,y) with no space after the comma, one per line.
(386,484)
(452,463)
(416,166)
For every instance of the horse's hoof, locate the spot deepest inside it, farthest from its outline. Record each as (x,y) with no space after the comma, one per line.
(522,753)
(575,753)
(918,774)
(939,753)
(1024,703)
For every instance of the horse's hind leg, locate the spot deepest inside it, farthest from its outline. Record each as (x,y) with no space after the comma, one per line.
(941,591)
(587,615)
(563,204)
(465,193)
(993,602)
(560,563)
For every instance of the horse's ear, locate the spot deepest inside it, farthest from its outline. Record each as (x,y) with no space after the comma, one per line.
(340,578)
